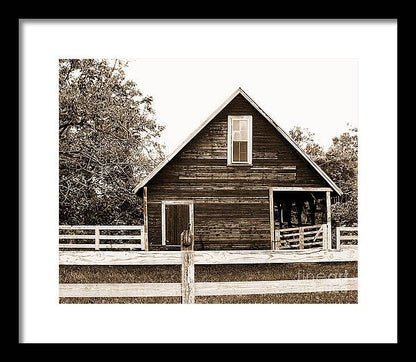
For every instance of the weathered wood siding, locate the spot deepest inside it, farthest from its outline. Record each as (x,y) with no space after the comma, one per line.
(231,205)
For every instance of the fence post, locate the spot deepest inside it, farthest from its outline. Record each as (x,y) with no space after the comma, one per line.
(97,237)
(325,236)
(188,268)
(338,238)
(301,230)
(145,230)
(272,227)
(328,218)
(277,239)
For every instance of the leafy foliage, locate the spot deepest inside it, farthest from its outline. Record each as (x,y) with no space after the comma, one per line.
(340,163)
(108,141)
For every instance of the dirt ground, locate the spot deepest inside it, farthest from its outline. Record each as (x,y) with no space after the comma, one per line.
(215,273)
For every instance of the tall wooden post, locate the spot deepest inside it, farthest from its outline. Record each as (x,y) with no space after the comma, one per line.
(328,218)
(188,268)
(325,236)
(145,220)
(301,238)
(272,227)
(97,237)
(338,237)
(277,239)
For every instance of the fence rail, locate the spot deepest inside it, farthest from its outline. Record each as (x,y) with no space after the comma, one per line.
(69,257)
(97,236)
(346,236)
(301,237)
(207,288)
(188,288)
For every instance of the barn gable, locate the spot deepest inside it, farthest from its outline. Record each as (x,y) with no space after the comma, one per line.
(202,157)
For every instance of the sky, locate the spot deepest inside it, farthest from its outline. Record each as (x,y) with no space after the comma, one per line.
(318,94)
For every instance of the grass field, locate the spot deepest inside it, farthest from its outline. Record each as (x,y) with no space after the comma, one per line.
(215,273)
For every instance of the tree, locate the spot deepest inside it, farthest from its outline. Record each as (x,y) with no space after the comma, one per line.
(108,141)
(305,140)
(340,162)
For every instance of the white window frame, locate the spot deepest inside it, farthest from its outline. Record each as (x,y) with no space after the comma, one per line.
(230,140)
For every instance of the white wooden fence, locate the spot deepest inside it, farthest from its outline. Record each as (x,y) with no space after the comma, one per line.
(188,288)
(82,241)
(346,236)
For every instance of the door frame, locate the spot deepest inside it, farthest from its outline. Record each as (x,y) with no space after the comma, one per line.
(190,203)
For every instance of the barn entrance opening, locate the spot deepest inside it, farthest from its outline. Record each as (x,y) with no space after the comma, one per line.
(296,209)
(177,218)
(301,220)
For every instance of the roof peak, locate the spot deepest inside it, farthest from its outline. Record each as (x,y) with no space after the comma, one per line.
(211,117)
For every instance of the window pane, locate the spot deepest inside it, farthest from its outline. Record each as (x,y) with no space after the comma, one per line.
(236,126)
(243,156)
(243,125)
(243,152)
(236,135)
(236,151)
(243,136)
(243,147)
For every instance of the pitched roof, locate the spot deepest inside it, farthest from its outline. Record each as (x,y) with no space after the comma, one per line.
(211,117)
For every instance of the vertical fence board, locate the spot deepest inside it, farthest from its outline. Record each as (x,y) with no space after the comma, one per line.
(188,268)
(97,238)
(271,210)
(328,219)
(145,239)
(277,239)
(325,236)
(301,238)
(338,238)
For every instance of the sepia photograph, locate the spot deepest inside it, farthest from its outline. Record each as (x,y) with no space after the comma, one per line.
(208,181)
(159,206)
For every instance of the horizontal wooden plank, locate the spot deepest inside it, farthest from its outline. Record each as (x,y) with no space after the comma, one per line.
(77,246)
(348,237)
(349,247)
(347,228)
(308,227)
(307,242)
(101,237)
(102,246)
(119,257)
(101,227)
(83,237)
(315,255)
(121,237)
(315,232)
(76,227)
(207,288)
(119,290)
(310,189)
(292,240)
(276,286)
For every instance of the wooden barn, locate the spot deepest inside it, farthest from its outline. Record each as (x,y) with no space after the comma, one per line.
(238,182)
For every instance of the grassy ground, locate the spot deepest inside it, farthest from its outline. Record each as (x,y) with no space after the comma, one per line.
(215,273)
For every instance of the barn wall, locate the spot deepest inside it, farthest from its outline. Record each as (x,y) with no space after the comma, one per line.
(231,204)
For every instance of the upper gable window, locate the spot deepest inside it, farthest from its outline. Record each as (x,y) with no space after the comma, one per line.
(239,139)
